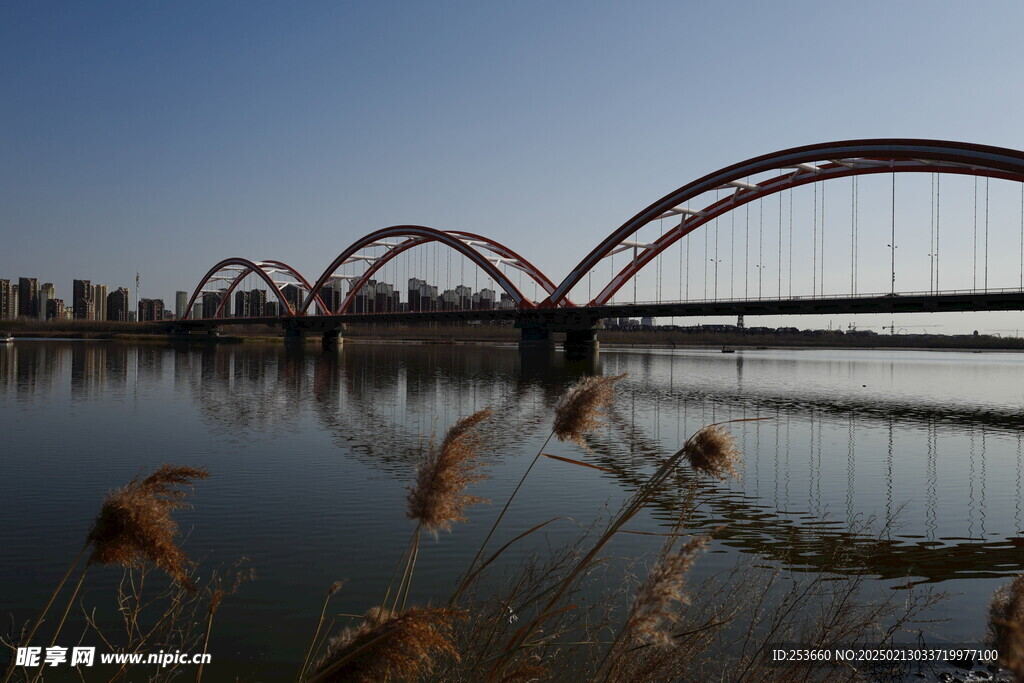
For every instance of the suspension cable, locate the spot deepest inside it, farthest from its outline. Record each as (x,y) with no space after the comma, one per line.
(853,233)
(814,243)
(746,249)
(821,261)
(707,256)
(790,192)
(893,249)
(974,280)
(732,255)
(938,223)
(931,238)
(780,242)
(657,270)
(986,231)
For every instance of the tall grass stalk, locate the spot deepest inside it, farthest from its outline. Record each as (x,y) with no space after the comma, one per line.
(577,413)
(636,503)
(46,608)
(335,587)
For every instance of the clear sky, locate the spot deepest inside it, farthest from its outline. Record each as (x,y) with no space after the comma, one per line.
(165,136)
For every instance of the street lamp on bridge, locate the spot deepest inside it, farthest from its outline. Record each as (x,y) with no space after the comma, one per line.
(893,248)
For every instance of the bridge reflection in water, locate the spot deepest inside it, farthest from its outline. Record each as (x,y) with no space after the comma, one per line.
(926,444)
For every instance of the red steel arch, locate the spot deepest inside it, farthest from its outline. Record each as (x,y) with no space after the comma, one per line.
(810,163)
(417,234)
(248,267)
(505,255)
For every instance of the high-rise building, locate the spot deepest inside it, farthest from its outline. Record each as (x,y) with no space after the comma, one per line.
(243,302)
(465,295)
(151,309)
(5,300)
(117,305)
(258,302)
(333,294)
(28,297)
(14,301)
(55,309)
(293,295)
(99,302)
(81,300)
(211,302)
(415,285)
(46,292)
(180,302)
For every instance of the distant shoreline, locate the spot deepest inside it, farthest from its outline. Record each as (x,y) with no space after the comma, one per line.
(485,334)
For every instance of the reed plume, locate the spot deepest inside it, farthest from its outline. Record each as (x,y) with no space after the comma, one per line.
(135,524)
(437,500)
(582,407)
(1006,625)
(390,645)
(712,451)
(578,412)
(654,610)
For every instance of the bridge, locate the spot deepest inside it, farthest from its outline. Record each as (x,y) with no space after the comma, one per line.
(748,239)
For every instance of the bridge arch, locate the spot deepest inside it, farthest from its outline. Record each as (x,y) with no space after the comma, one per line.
(465,243)
(242,268)
(809,164)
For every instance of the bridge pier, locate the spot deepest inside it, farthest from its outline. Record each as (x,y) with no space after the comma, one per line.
(537,330)
(535,335)
(298,330)
(332,339)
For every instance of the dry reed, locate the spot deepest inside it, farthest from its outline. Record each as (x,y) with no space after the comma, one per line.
(135,524)
(1006,625)
(578,412)
(582,407)
(389,645)
(655,609)
(438,500)
(712,451)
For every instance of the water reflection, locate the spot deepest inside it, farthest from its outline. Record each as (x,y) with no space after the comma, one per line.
(933,461)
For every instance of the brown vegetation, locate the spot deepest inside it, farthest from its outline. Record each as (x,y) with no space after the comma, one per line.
(438,499)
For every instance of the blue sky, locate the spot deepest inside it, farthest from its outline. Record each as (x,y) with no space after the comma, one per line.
(166,136)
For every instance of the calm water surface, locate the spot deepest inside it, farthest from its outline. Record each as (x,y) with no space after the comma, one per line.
(310,454)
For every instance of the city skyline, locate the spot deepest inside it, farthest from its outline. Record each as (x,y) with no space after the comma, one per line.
(174,137)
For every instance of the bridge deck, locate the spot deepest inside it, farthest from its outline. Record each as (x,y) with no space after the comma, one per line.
(901,303)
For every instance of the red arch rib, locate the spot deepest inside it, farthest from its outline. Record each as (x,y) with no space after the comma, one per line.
(250,267)
(418,234)
(885,155)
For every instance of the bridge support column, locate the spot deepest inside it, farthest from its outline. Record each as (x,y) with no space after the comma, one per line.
(332,339)
(581,339)
(535,335)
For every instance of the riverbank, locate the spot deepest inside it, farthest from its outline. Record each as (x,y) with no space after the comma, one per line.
(440,334)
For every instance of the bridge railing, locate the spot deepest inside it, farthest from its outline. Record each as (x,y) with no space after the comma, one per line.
(812,297)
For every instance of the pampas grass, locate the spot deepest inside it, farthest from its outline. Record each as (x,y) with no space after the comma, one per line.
(135,524)
(712,452)
(438,498)
(655,609)
(390,646)
(1006,625)
(582,407)
(577,413)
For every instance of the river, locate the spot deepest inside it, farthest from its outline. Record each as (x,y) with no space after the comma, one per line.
(310,452)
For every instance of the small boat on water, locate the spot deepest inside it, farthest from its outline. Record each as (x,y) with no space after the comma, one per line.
(6,338)
(726,349)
